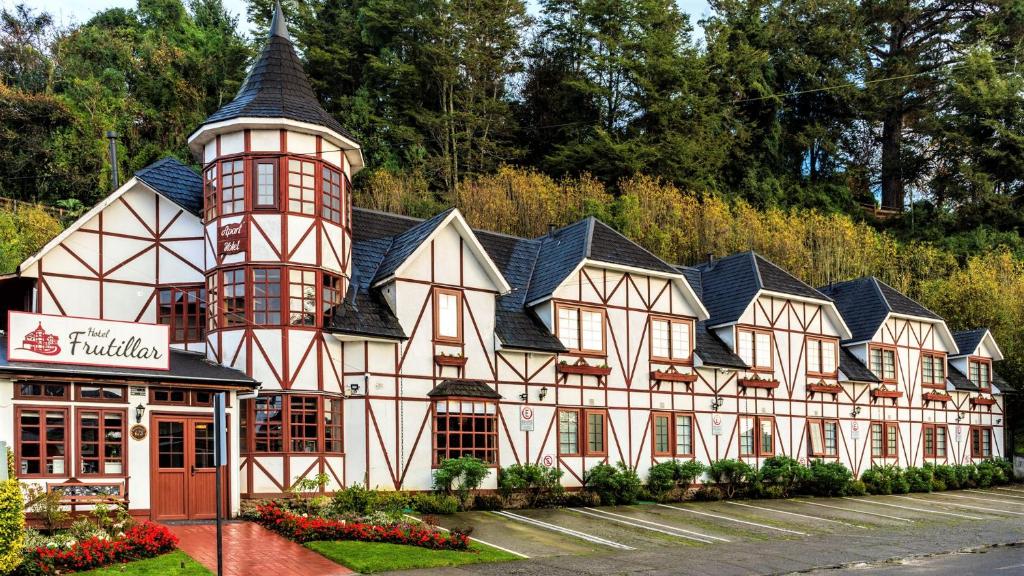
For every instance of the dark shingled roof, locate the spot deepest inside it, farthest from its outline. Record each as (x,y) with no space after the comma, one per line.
(185,367)
(277,87)
(713,352)
(959,380)
(967,341)
(466,388)
(403,245)
(865,302)
(176,182)
(853,368)
(729,284)
(364,311)
(1003,386)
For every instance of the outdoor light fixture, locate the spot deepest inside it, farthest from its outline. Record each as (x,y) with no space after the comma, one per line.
(354,388)
(523,396)
(959,416)
(717,403)
(542,393)
(140,410)
(856,411)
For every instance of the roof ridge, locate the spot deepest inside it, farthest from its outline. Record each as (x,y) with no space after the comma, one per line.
(757,270)
(875,282)
(588,239)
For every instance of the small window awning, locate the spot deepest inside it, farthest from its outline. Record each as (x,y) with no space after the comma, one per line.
(464,389)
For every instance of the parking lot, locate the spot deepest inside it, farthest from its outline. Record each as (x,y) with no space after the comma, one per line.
(746,536)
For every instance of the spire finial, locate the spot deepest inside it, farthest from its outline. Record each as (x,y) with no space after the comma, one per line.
(278,25)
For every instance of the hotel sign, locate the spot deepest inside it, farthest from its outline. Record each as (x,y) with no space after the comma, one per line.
(232,238)
(71,340)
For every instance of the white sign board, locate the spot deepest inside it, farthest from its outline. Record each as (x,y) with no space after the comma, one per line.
(71,340)
(716,425)
(526,419)
(855,430)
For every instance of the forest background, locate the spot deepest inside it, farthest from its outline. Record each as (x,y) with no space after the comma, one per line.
(837,137)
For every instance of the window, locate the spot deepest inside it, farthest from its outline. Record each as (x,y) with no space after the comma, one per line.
(42,441)
(581,329)
(266,184)
(981,442)
(331,297)
(302,297)
(447,315)
(884,439)
(757,435)
(180,397)
(822,354)
(755,348)
(183,308)
(933,370)
(333,442)
(883,363)
(266,296)
(301,186)
(823,436)
(210,193)
(671,340)
(684,435)
(596,433)
(934,438)
(569,432)
(465,428)
(672,434)
(268,423)
(302,416)
(233,301)
(100,393)
(593,432)
(42,390)
(101,442)
(661,434)
(211,305)
(232,187)
(332,201)
(981,374)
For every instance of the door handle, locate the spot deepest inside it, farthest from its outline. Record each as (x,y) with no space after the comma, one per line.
(193,469)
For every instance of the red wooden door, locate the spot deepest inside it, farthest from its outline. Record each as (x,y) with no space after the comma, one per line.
(184,476)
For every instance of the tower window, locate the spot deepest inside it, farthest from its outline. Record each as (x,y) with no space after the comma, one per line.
(266,184)
(301,186)
(232,187)
(332,199)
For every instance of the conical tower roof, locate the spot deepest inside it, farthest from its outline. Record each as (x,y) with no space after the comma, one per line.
(277,86)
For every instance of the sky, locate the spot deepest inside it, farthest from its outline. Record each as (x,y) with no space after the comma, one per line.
(71,11)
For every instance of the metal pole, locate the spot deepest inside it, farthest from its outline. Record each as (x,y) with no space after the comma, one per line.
(219,421)
(112,137)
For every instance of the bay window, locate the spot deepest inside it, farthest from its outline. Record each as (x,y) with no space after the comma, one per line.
(302,297)
(883,362)
(266,296)
(232,187)
(447,315)
(933,370)
(301,186)
(210,193)
(980,373)
(580,329)
(754,347)
(183,308)
(757,435)
(822,357)
(671,340)
(823,436)
(332,200)
(465,428)
(934,438)
(292,423)
(232,301)
(302,418)
(331,296)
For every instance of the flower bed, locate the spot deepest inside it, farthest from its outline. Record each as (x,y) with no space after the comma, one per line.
(144,540)
(309,529)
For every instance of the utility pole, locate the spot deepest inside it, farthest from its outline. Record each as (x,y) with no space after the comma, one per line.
(112,137)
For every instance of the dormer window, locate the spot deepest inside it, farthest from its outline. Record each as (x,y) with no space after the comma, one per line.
(883,362)
(671,340)
(980,373)
(822,357)
(754,347)
(581,329)
(447,315)
(933,370)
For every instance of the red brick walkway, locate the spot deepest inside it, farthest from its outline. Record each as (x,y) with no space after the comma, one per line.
(251,549)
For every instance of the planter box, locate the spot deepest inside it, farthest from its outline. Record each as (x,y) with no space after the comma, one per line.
(936,397)
(759,383)
(457,361)
(584,369)
(833,389)
(983,401)
(893,394)
(672,376)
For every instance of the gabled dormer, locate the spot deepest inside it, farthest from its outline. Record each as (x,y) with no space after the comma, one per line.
(971,368)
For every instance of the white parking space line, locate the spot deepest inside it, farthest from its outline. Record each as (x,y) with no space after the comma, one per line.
(734,520)
(855,511)
(1011,567)
(968,506)
(996,500)
(1010,489)
(677,529)
(563,530)
(635,525)
(999,494)
(819,518)
(877,503)
(443,529)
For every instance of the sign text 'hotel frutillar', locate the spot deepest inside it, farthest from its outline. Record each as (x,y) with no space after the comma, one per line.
(85,341)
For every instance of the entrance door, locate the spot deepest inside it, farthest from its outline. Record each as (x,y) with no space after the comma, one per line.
(184,477)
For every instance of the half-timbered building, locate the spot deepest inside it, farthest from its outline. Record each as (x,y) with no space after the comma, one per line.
(368,346)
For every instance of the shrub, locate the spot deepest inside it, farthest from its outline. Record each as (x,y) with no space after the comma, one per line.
(613,484)
(709,494)
(829,478)
(488,502)
(785,475)
(966,475)
(534,480)
(879,479)
(919,479)
(772,491)
(733,476)
(355,499)
(460,475)
(938,485)
(856,488)
(673,475)
(436,503)
(986,473)
(947,475)
(144,540)
(12,525)
(46,505)
(1006,466)
(581,498)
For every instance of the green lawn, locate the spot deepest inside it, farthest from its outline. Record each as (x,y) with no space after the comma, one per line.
(369,557)
(175,563)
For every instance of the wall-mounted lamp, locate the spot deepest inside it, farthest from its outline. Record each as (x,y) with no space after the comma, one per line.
(542,393)
(856,411)
(717,403)
(140,411)
(959,416)
(353,388)
(999,421)
(523,396)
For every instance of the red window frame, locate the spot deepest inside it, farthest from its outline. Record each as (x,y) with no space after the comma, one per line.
(302,309)
(882,350)
(438,337)
(976,362)
(822,425)
(672,421)
(236,201)
(929,359)
(331,294)
(210,202)
(890,439)
(42,395)
(483,432)
(103,389)
(290,431)
(585,433)
(334,431)
(267,296)
(212,306)
(671,358)
(822,373)
(930,446)
(580,309)
(43,458)
(270,438)
(184,310)
(754,331)
(758,449)
(332,196)
(101,458)
(303,418)
(274,183)
(980,437)
(302,186)
(233,297)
